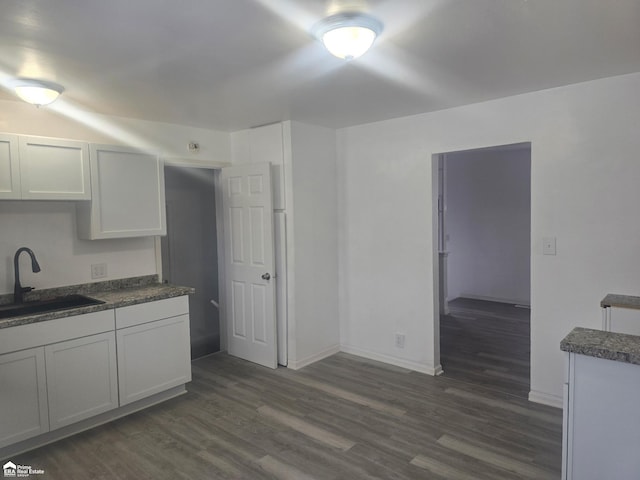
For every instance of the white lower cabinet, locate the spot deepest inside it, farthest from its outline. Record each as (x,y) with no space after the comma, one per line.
(23,396)
(56,373)
(601,419)
(153,357)
(82,378)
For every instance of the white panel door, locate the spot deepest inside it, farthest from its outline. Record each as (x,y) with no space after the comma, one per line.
(249,263)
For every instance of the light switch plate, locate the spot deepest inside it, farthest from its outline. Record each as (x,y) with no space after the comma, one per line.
(549,246)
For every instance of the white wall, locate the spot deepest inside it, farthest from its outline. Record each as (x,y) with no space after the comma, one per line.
(304,174)
(585,176)
(488,224)
(49,227)
(317,333)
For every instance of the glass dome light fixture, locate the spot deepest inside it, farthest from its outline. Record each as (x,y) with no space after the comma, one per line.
(37,92)
(348,35)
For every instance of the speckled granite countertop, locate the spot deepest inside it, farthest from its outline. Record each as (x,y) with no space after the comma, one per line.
(620,301)
(598,343)
(114,294)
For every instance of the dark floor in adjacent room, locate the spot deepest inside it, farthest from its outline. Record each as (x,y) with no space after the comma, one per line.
(488,344)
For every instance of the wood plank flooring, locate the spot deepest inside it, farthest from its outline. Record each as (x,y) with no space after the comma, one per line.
(487,343)
(341,418)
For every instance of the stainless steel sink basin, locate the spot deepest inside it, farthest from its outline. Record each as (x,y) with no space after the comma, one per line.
(44,306)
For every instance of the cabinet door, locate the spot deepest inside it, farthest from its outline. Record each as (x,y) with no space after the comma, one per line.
(153,357)
(128,195)
(9,167)
(81,378)
(23,396)
(603,420)
(53,169)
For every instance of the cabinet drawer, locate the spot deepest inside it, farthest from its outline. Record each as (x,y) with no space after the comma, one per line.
(58,330)
(150,311)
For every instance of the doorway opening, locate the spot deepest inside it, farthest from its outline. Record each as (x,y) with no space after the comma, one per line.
(190,253)
(484,251)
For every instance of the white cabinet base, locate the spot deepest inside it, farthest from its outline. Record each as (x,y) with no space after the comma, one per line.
(65,374)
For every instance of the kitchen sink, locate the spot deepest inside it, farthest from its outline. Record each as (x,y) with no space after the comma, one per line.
(44,306)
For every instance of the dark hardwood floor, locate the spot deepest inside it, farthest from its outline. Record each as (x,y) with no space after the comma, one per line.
(341,418)
(488,344)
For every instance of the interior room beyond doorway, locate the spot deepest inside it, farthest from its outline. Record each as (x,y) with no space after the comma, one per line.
(485,274)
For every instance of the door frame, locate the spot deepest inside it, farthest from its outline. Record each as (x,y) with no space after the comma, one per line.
(435,243)
(220,233)
(220,245)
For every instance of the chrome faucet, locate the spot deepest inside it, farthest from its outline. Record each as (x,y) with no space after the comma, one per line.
(18,289)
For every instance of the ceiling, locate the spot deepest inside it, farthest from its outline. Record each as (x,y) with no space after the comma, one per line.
(234,64)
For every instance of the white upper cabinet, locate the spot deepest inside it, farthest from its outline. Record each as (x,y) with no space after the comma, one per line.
(54,169)
(39,168)
(128,195)
(9,167)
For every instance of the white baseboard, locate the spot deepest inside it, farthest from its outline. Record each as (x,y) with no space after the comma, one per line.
(545,399)
(398,362)
(298,364)
(496,299)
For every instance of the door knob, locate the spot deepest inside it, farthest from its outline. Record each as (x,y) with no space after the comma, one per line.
(266,276)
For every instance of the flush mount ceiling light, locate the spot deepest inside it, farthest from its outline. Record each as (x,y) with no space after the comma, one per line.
(37,92)
(348,35)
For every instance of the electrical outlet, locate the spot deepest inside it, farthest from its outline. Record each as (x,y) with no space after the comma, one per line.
(98,270)
(400,340)
(549,246)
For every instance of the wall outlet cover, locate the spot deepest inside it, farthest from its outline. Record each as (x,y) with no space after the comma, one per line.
(98,270)
(549,246)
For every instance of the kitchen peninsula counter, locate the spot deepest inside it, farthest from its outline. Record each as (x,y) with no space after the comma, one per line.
(608,345)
